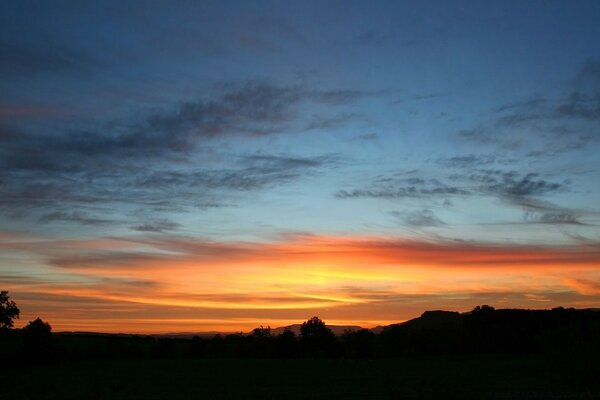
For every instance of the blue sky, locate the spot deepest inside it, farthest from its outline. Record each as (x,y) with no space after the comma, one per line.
(436,121)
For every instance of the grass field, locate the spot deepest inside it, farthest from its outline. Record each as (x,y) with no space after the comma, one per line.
(464,377)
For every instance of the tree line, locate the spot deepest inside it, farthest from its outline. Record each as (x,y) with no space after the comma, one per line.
(562,333)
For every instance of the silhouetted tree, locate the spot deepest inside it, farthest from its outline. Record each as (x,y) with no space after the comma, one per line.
(286,344)
(261,332)
(483,309)
(318,339)
(37,338)
(8,311)
(314,328)
(260,342)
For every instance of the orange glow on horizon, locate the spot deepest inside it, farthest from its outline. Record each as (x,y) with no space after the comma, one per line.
(172,285)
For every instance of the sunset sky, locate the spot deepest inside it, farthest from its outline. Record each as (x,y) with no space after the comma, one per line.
(199,166)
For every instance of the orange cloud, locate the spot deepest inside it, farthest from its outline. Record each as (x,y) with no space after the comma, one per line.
(367,280)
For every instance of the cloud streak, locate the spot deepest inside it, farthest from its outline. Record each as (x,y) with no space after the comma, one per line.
(509,185)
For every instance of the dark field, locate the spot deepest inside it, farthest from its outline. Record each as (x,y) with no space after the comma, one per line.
(419,377)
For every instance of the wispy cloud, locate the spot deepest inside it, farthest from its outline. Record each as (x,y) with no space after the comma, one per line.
(75,216)
(562,217)
(558,123)
(419,218)
(156,226)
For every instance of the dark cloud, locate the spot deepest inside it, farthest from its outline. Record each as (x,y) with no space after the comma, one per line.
(519,119)
(555,218)
(334,122)
(208,205)
(399,193)
(367,136)
(577,143)
(557,124)
(16,195)
(340,96)
(467,161)
(533,102)
(151,162)
(154,189)
(156,226)
(556,115)
(520,190)
(242,179)
(273,163)
(579,105)
(250,109)
(400,186)
(253,108)
(429,96)
(419,218)
(254,172)
(513,184)
(75,216)
(539,211)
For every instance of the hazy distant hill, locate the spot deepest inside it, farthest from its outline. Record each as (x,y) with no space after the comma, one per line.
(437,320)
(337,329)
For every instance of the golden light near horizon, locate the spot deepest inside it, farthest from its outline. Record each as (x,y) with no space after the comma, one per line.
(364,279)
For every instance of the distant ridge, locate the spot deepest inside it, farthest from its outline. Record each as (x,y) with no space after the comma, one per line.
(336,329)
(427,320)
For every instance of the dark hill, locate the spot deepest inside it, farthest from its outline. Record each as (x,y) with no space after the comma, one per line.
(563,333)
(486,330)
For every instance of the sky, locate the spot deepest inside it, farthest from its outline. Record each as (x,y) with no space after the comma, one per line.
(188,166)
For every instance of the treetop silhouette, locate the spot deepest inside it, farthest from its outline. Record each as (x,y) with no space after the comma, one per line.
(315,328)
(8,311)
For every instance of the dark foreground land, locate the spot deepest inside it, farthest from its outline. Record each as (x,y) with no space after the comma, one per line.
(417,377)
(483,354)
